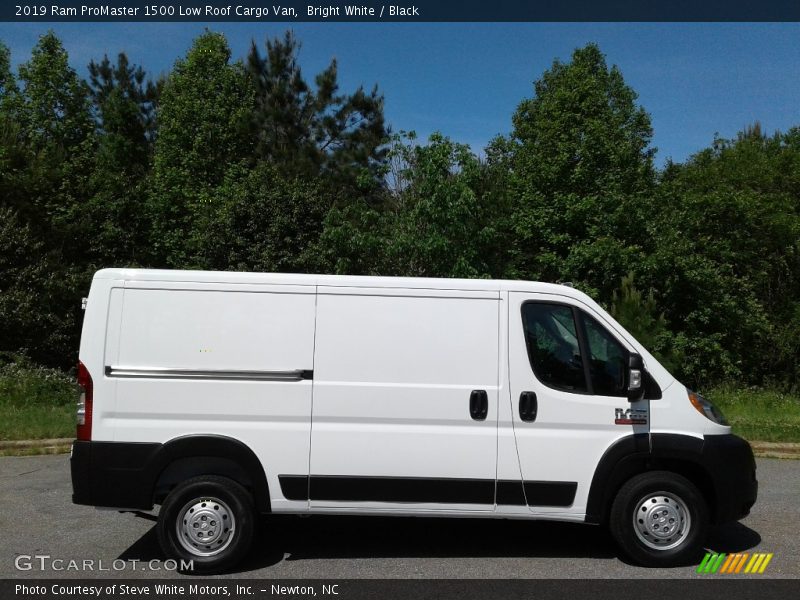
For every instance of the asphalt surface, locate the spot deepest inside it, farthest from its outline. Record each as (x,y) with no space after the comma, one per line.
(38,518)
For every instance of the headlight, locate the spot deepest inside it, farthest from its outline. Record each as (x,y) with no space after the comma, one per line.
(706,408)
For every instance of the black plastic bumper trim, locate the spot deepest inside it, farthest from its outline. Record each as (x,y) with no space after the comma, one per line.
(126,474)
(113,474)
(730,461)
(723,463)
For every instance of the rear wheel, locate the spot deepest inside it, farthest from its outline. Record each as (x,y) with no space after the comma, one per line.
(659,519)
(208,520)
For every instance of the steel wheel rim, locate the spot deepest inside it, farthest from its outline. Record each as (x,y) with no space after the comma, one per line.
(205,526)
(661,520)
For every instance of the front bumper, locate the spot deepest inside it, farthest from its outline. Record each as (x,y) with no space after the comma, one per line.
(729,461)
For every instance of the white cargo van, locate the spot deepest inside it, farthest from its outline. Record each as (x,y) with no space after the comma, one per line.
(220,396)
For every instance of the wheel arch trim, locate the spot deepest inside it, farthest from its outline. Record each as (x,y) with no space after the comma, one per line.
(638,453)
(225,449)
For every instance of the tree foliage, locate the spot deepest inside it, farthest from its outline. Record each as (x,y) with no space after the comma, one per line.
(125,105)
(726,260)
(266,221)
(45,162)
(639,314)
(580,171)
(203,111)
(225,164)
(307,130)
(55,112)
(443,219)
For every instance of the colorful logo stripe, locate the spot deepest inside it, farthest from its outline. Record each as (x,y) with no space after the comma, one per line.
(744,562)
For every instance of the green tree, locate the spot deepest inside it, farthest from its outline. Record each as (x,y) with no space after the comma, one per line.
(265,221)
(726,259)
(39,296)
(202,114)
(639,314)
(124,105)
(355,240)
(55,115)
(446,223)
(45,164)
(8,83)
(308,131)
(580,169)
(443,218)
(15,160)
(48,137)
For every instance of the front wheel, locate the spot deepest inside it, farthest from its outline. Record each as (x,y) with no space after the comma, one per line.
(659,519)
(207,520)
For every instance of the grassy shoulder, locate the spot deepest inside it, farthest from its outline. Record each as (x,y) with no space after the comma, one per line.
(38,403)
(758,414)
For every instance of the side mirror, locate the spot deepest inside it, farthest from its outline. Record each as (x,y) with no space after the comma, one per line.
(635,377)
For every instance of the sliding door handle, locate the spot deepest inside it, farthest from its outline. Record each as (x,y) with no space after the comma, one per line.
(478,405)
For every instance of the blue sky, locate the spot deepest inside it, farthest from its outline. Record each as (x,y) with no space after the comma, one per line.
(466,79)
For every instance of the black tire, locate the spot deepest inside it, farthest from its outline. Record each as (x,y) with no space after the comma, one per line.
(222,500)
(656,537)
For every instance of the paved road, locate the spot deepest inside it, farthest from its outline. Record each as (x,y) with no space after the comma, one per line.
(37,517)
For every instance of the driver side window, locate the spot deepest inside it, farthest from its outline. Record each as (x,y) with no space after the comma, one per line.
(569,350)
(553,346)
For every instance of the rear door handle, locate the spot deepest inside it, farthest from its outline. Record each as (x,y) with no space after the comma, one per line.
(528,406)
(479,405)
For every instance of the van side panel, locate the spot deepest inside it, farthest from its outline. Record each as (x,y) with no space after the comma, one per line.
(394,374)
(231,361)
(217,329)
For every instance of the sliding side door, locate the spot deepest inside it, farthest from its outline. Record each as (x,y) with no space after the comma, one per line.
(405,400)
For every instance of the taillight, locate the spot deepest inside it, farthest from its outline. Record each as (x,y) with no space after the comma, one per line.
(84,404)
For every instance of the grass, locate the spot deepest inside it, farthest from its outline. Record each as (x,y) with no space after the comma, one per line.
(36,422)
(759,414)
(38,403)
(35,450)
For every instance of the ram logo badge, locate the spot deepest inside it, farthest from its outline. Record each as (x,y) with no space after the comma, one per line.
(630,416)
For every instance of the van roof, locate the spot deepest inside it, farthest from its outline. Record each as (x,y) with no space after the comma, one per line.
(337,280)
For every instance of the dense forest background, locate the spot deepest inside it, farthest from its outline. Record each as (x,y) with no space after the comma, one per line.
(249,165)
